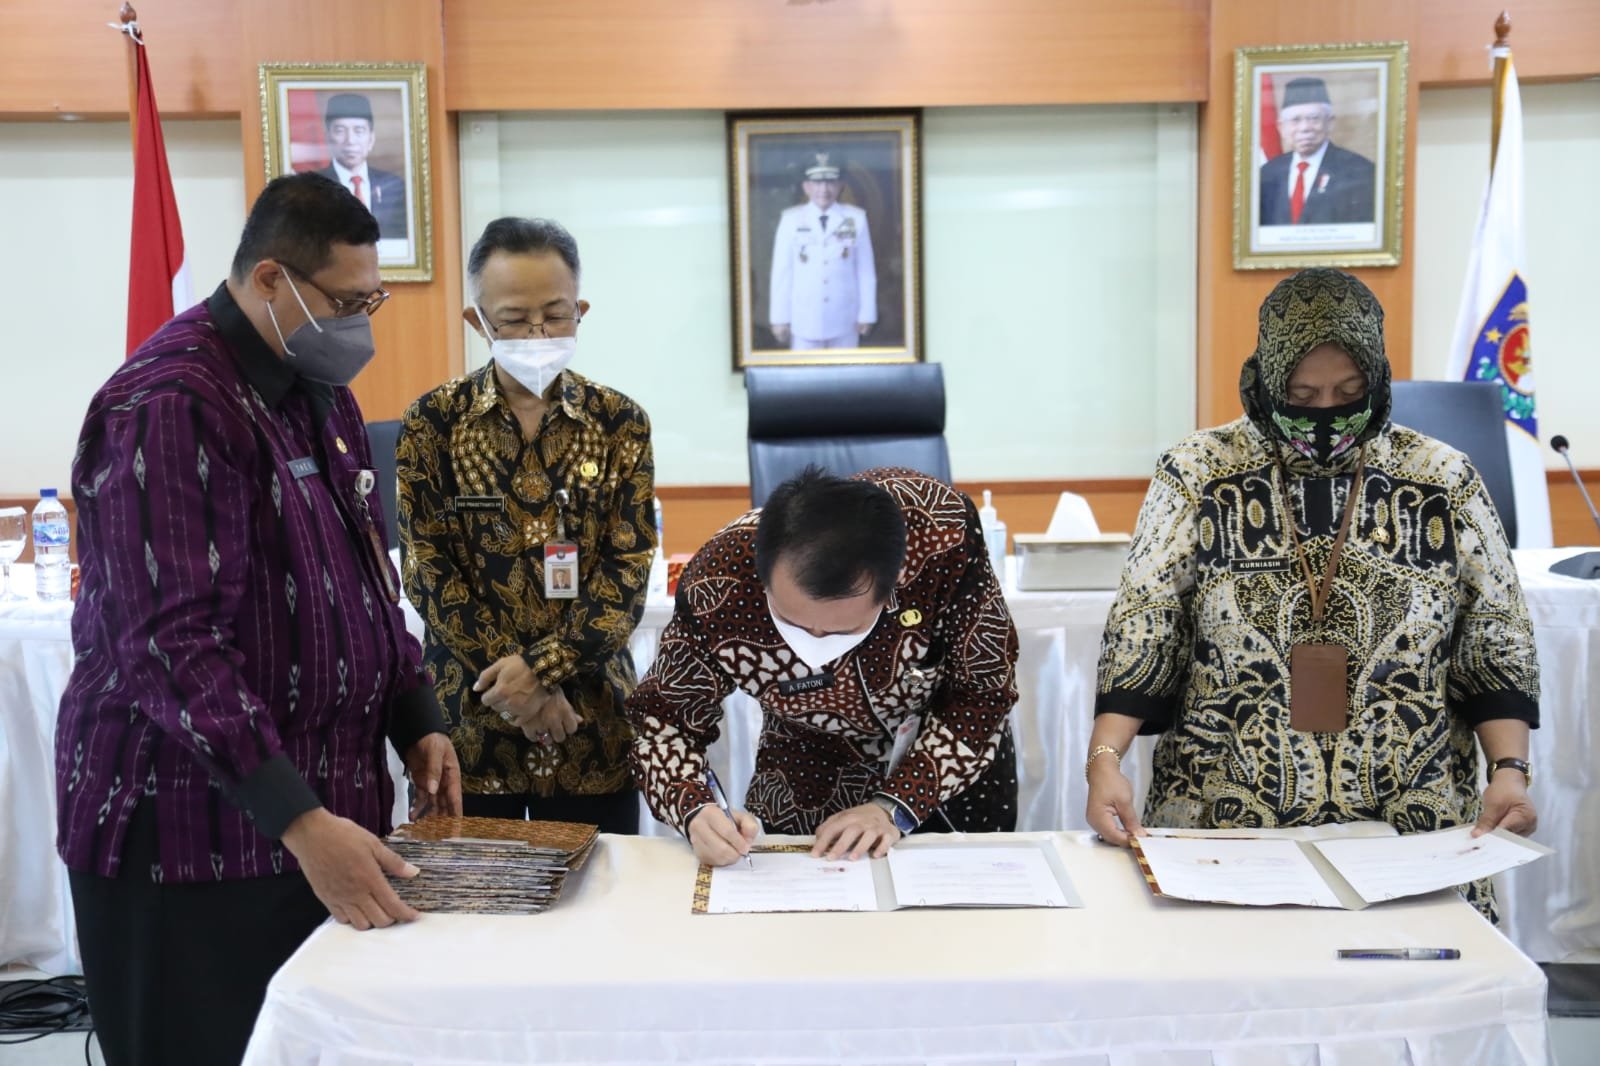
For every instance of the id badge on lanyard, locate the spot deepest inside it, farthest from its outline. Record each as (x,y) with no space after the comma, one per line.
(561,557)
(1319,700)
(366,480)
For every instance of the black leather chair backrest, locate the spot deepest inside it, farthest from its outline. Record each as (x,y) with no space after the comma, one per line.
(846,419)
(1468,416)
(385,438)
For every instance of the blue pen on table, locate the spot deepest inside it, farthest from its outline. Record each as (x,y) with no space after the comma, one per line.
(722,804)
(1412,954)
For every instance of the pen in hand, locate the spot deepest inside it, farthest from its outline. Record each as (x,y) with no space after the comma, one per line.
(722,804)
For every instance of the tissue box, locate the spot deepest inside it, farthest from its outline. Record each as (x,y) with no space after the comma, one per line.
(1046,563)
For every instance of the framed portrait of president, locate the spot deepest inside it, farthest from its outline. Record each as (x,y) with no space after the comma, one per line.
(365,125)
(827,262)
(1319,138)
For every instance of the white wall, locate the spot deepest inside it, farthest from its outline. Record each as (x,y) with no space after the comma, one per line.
(68,188)
(1562,171)
(1058,276)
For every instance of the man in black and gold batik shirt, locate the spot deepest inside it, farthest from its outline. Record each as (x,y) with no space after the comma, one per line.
(526,511)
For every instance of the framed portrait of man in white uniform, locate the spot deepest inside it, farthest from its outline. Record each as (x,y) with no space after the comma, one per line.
(827,264)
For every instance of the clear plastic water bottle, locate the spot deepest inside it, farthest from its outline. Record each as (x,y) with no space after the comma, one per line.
(52,548)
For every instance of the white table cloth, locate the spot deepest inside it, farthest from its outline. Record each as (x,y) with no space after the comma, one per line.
(1551,908)
(621,971)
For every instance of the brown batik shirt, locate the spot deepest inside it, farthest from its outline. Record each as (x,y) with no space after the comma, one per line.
(944,649)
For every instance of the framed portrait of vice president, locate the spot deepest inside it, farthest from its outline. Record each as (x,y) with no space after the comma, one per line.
(1319,135)
(364,125)
(826,245)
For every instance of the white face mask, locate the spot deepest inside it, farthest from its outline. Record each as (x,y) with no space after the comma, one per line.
(534,362)
(817,652)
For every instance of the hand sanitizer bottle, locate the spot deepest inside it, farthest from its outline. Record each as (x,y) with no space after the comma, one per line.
(994,534)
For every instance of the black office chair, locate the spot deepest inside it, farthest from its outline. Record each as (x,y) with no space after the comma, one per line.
(1469,416)
(845,419)
(385,438)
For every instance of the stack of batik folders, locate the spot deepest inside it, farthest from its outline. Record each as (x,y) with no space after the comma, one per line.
(488,865)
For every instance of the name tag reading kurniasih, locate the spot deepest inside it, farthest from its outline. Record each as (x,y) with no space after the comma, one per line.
(303,468)
(478,503)
(1278,565)
(798,686)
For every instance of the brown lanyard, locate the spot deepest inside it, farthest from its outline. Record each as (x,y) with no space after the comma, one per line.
(1319,594)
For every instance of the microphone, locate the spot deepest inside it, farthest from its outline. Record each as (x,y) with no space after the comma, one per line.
(1587,564)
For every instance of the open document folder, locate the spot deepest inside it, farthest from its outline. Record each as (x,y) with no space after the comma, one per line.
(784,877)
(1349,866)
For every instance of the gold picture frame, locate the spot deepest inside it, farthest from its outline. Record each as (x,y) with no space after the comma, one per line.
(311,120)
(1319,136)
(848,273)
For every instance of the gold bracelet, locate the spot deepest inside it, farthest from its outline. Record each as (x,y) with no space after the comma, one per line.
(1099,750)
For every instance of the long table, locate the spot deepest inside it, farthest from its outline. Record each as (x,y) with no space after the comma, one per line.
(1550,908)
(620,971)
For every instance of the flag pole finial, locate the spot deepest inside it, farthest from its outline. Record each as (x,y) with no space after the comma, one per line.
(128,23)
(1502,30)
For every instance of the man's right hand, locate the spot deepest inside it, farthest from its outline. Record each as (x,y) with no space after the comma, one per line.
(1110,810)
(716,841)
(781,335)
(346,867)
(511,689)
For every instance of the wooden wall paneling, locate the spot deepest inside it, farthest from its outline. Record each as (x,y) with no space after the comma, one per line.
(59,57)
(418,344)
(737,54)
(1229,299)
(1551,40)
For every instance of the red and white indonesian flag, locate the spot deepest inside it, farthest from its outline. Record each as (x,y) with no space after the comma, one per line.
(1269,146)
(158,276)
(1491,342)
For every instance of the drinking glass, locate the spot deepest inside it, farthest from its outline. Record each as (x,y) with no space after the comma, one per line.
(13,538)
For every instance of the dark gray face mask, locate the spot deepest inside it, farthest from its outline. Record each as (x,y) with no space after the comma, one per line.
(328,350)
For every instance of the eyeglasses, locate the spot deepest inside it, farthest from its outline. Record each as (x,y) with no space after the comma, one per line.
(521,329)
(343,307)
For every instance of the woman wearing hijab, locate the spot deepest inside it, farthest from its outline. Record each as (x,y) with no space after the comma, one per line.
(1337,667)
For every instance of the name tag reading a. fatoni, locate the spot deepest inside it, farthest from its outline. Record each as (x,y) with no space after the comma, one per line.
(478,503)
(303,468)
(1260,566)
(800,685)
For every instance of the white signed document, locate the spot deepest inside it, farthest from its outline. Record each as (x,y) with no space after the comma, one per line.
(791,881)
(1260,873)
(1424,862)
(1026,873)
(1334,866)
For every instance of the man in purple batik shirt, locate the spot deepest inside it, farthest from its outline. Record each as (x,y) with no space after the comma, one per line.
(241,660)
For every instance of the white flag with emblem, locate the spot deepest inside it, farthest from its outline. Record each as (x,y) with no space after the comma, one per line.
(1491,341)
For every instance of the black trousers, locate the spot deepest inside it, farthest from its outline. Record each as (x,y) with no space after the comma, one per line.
(176,973)
(615,812)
